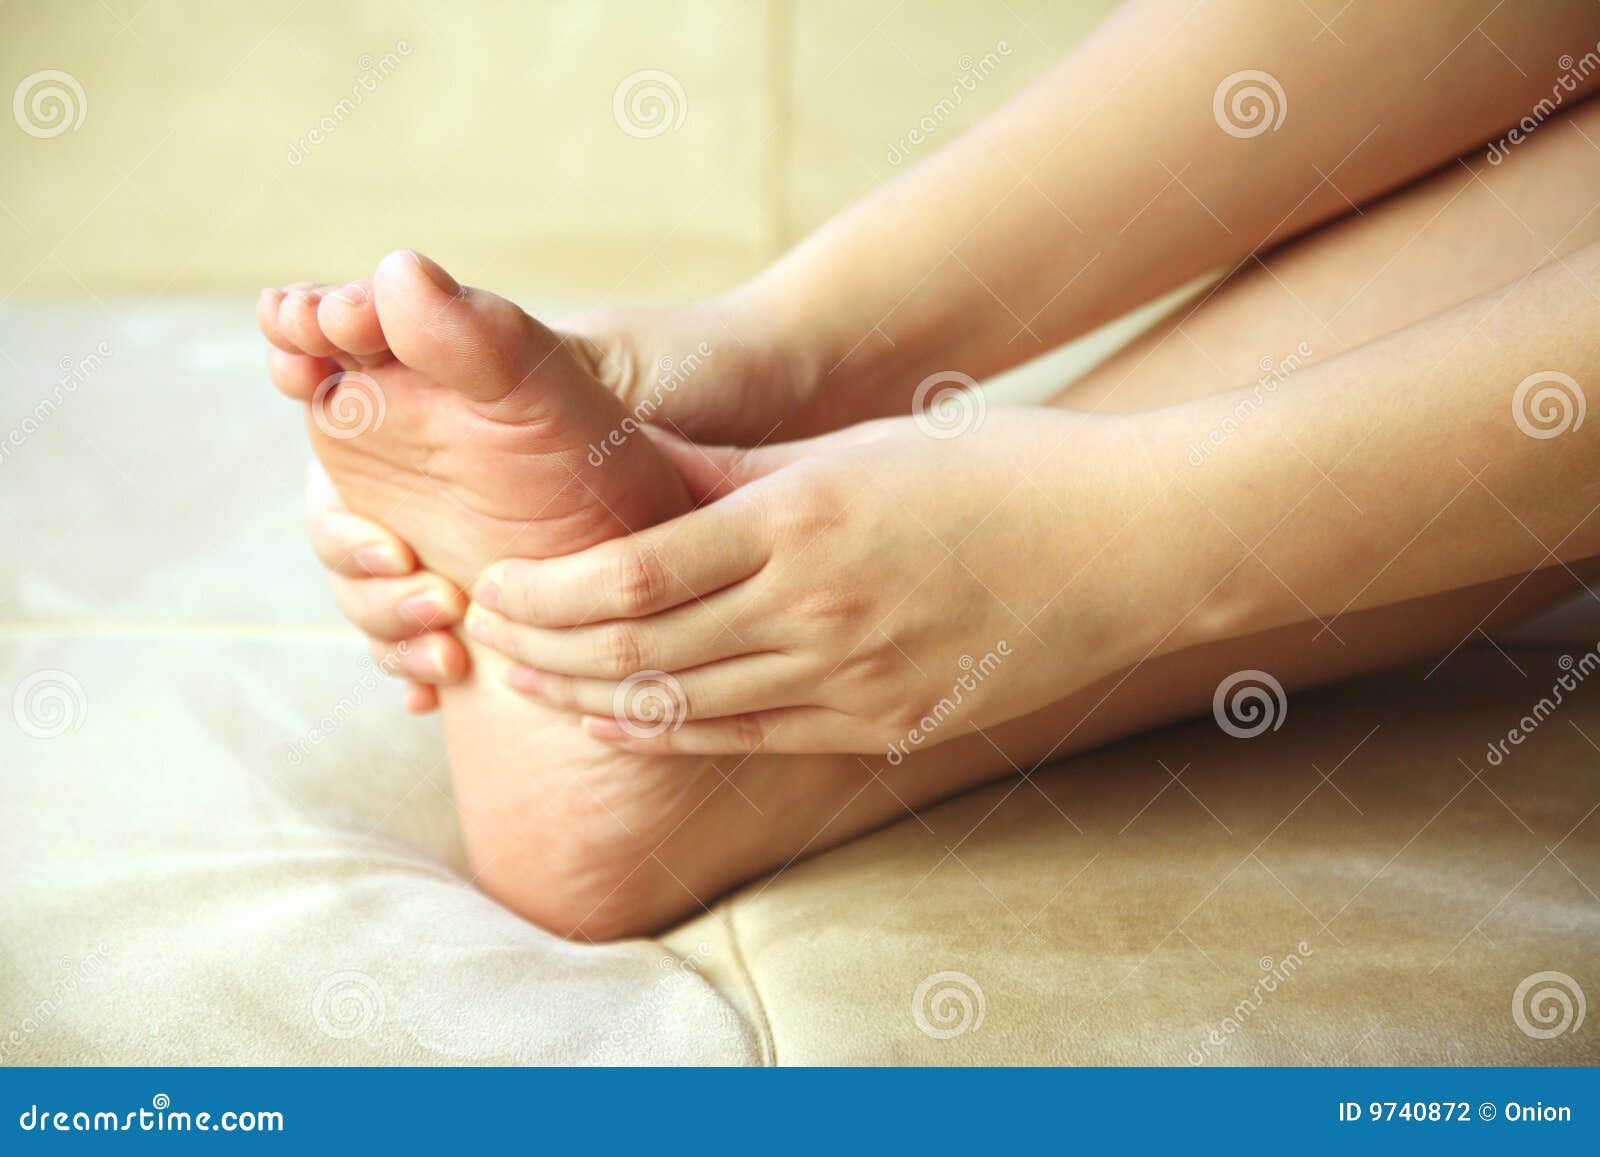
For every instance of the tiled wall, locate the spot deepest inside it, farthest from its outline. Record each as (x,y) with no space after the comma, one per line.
(488,133)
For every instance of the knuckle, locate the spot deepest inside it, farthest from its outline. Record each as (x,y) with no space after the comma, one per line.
(621,650)
(748,732)
(831,604)
(640,580)
(816,505)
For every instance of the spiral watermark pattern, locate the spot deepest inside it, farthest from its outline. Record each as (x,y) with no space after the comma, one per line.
(49,703)
(1249,103)
(348,1004)
(948,404)
(357,405)
(1547,1004)
(649,703)
(48,103)
(1548,404)
(948,1004)
(649,103)
(1249,703)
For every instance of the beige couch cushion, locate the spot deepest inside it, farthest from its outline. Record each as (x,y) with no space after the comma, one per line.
(1112,915)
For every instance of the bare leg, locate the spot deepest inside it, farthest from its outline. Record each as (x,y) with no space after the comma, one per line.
(601,843)
(1465,230)
(1444,240)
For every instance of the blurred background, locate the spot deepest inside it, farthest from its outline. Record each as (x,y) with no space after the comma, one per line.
(627,149)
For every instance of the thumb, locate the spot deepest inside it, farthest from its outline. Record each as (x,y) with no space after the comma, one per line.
(710,472)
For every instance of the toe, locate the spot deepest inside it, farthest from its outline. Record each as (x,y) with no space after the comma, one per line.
(297,321)
(473,341)
(298,375)
(349,319)
(267,306)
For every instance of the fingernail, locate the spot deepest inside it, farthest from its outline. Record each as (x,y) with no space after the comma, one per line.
(352,294)
(436,661)
(435,273)
(524,679)
(421,609)
(487,594)
(381,559)
(603,728)
(477,625)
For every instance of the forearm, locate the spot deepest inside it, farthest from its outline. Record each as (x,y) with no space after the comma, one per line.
(1110,180)
(1449,454)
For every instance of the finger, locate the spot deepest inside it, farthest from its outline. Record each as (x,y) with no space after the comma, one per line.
(735,687)
(346,543)
(791,731)
(398,608)
(690,557)
(436,658)
(712,472)
(298,375)
(421,698)
(681,638)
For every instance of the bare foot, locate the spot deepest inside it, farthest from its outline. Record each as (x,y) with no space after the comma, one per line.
(465,426)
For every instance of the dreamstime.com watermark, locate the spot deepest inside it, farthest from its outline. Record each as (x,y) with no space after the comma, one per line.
(348,404)
(73,974)
(1548,404)
(160,1117)
(1248,103)
(70,376)
(1573,74)
(1273,374)
(49,103)
(48,704)
(948,1004)
(348,1004)
(1274,974)
(670,377)
(649,703)
(373,73)
(974,672)
(349,703)
(948,404)
(1547,1004)
(677,973)
(1576,671)
(973,73)
(649,103)
(1249,703)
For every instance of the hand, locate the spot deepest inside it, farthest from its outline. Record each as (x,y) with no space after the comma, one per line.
(712,370)
(875,589)
(405,612)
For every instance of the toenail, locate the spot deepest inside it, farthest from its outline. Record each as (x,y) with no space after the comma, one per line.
(351,294)
(421,609)
(435,273)
(487,593)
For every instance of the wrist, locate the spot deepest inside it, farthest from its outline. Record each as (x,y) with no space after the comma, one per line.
(824,326)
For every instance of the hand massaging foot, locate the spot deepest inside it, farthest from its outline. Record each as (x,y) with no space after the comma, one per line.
(455,419)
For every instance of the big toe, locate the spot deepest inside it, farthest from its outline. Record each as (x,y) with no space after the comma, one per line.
(473,341)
